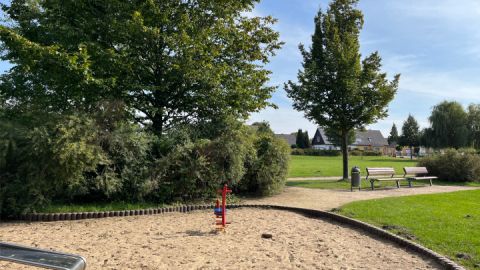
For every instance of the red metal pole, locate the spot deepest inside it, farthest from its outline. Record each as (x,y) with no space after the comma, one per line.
(224,198)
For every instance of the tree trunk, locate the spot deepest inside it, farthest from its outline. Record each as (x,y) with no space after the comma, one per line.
(411,153)
(157,124)
(345,154)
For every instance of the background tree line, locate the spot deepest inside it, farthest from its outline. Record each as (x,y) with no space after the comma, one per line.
(134,101)
(451,126)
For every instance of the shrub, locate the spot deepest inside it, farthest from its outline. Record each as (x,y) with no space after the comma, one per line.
(78,159)
(453,166)
(372,153)
(267,171)
(316,152)
(41,163)
(298,152)
(365,153)
(356,153)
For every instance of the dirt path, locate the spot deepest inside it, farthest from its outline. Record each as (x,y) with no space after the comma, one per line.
(323,199)
(186,241)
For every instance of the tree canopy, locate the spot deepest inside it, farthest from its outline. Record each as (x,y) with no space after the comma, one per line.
(473,124)
(164,61)
(393,138)
(410,134)
(336,88)
(449,125)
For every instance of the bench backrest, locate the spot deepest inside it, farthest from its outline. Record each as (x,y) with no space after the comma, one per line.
(415,170)
(380,171)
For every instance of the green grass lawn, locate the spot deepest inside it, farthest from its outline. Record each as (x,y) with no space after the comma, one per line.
(321,184)
(447,223)
(312,166)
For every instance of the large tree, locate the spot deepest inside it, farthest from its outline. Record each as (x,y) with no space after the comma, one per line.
(449,125)
(473,124)
(335,138)
(299,139)
(336,88)
(306,140)
(410,134)
(166,61)
(393,138)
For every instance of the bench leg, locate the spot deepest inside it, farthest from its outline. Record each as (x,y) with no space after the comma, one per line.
(398,184)
(430,182)
(371,183)
(409,183)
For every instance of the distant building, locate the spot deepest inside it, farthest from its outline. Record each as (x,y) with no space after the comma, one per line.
(371,140)
(291,139)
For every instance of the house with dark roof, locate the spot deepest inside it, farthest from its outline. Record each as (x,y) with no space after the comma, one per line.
(291,139)
(368,140)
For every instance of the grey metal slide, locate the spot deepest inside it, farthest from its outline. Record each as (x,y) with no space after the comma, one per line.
(41,258)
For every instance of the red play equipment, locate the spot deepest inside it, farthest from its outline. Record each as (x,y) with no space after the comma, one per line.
(221,211)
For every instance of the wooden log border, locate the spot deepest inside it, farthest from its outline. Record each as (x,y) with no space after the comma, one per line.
(324,215)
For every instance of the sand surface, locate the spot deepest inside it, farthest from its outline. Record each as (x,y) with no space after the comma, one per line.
(323,199)
(188,241)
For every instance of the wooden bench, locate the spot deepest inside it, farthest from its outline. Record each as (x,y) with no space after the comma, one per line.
(382,174)
(416,174)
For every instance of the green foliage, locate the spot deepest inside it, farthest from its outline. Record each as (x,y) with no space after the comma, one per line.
(169,61)
(365,153)
(336,89)
(306,140)
(41,163)
(454,166)
(267,173)
(76,160)
(302,140)
(316,152)
(410,134)
(449,125)
(335,137)
(393,138)
(473,125)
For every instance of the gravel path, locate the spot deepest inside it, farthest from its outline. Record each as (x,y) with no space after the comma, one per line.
(323,199)
(186,241)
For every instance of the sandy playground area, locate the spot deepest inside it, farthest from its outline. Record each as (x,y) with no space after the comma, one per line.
(188,241)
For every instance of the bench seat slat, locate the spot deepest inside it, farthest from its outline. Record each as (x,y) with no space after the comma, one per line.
(423,178)
(386,179)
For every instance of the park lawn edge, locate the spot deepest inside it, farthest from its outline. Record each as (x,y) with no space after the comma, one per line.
(444,222)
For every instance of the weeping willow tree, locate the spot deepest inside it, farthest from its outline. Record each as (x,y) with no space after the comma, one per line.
(449,125)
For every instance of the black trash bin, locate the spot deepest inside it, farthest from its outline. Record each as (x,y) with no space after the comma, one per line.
(355,178)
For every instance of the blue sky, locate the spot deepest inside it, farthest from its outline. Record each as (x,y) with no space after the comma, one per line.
(434,44)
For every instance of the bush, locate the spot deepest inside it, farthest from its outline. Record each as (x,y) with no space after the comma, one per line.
(372,153)
(316,152)
(453,166)
(366,153)
(77,159)
(356,153)
(267,170)
(41,163)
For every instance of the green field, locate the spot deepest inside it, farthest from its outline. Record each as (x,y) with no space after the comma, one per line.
(312,166)
(446,223)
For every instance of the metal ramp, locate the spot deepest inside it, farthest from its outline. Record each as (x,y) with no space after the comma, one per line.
(41,258)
